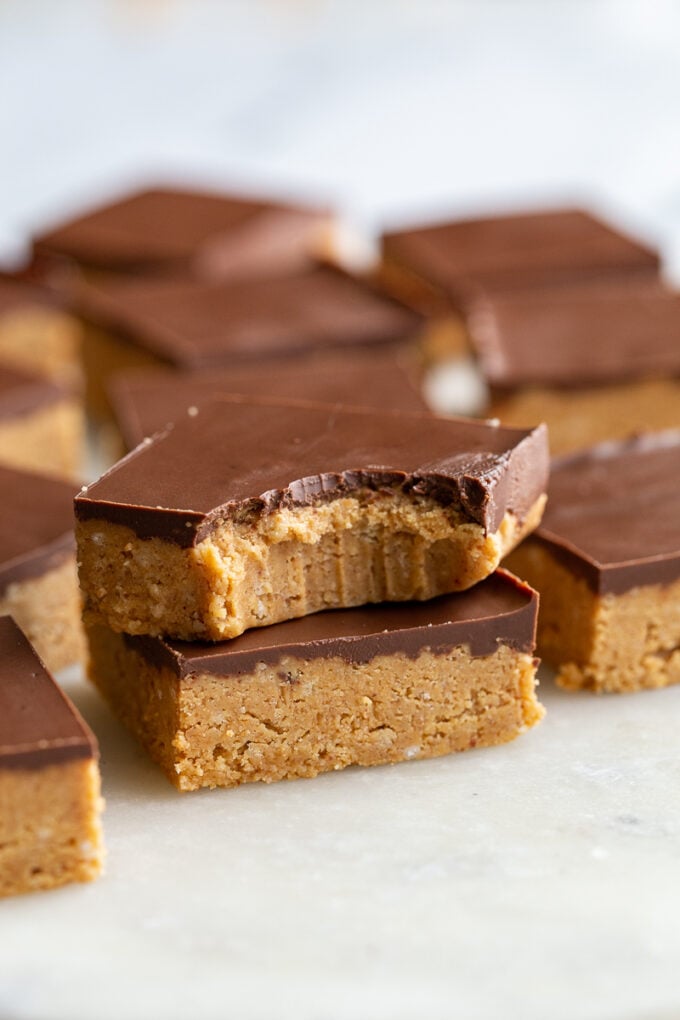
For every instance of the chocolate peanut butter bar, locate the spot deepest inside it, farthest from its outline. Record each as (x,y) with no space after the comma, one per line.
(252,512)
(445,267)
(606,561)
(38,577)
(197,325)
(594,362)
(362,686)
(147,400)
(37,335)
(178,231)
(50,805)
(515,252)
(41,424)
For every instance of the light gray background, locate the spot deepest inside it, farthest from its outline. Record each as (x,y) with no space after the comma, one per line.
(389,109)
(537,880)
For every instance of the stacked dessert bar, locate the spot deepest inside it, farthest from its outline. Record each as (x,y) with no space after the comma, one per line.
(223,563)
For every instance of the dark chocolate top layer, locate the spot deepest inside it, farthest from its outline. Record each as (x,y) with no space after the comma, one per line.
(578,335)
(38,724)
(147,400)
(237,456)
(165,229)
(22,392)
(613,513)
(499,611)
(515,251)
(36,524)
(196,324)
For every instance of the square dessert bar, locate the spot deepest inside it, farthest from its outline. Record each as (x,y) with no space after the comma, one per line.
(41,424)
(147,400)
(606,561)
(252,512)
(178,231)
(595,362)
(347,687)
(462,258)
(50,805)
(37,335)
(38,577)
(193,325)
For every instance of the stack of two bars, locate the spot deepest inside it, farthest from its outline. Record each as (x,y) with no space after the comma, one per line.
(220,560)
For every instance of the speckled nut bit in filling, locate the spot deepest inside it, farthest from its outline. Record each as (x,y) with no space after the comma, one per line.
(50,806)
(363,686)
(606,561)
(254,512)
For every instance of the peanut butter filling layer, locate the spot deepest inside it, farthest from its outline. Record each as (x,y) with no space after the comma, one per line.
(364,548)
(582,416)
(612,642)
(50,830)
(48,609)
(299,717)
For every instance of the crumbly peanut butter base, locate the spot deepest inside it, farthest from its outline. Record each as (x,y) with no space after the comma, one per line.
(50,830)
(604,643)
(46,341)
(580,418)
(370,547)
(48,610)
(300,718)
(49,440)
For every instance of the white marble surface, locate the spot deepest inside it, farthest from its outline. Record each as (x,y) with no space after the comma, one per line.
(534,880)
(537,880)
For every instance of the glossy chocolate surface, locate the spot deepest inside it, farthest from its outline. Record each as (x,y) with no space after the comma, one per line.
(613,513)
(175,230)
(238,456)
(194,324)
(22,392)
(38,724)
(508,252)
(147,400)
(578,335)
(499,611)
(36,524)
